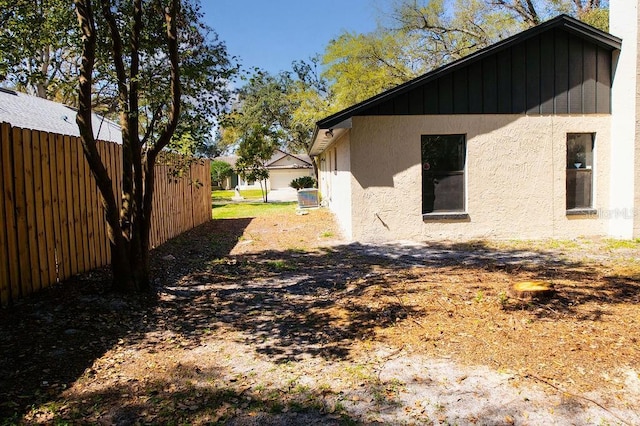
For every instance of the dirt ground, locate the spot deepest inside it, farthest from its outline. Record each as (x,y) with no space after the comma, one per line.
(277,321)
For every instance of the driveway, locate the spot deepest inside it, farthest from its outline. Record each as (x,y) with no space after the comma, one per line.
(282,195)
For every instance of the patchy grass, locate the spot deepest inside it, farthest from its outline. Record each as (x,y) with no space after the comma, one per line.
(223,195)
(246,210)
(613,244)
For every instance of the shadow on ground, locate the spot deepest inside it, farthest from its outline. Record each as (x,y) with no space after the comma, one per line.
(286,304)
(49,339)
(282,300)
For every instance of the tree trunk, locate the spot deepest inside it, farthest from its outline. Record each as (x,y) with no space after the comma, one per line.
(128,229)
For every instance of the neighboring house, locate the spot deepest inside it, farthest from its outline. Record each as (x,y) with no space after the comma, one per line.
(32,112)
(512,141)
(283,168)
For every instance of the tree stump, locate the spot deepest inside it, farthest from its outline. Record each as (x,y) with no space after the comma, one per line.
(530,290)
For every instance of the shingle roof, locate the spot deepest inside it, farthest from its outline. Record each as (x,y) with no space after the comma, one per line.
(31,112)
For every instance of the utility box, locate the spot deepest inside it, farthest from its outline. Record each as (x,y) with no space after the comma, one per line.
(308,197)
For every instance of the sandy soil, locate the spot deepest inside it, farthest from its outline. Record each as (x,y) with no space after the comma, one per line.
(277,321)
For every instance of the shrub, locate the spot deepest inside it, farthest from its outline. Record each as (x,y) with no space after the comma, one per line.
(303,182)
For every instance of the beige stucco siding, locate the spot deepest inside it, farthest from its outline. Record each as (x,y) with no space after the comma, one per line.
(515,177)
(335,182)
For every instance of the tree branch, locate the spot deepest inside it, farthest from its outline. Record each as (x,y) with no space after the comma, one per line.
(125,123)
(171,13)
(83,118)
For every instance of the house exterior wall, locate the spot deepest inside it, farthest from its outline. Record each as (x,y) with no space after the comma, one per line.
(335,182)
(625,128)
(515,177)
(286,169)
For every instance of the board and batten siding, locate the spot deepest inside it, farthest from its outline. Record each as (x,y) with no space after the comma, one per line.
(553,73)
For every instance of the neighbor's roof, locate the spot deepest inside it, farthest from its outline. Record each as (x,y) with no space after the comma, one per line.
(229,159)
(277,155)
(31,112)
(332,127)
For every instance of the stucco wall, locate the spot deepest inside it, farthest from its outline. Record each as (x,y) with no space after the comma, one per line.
(515,173)
(335,182)
(625,129)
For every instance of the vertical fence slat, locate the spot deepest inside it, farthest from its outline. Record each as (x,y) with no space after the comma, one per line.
(68,190)
(5,277)
(76,225)
(63,201)
(38,154)
(29,157)
(21,180)
(55,205)
(83,215)
(49,235)
(10,211)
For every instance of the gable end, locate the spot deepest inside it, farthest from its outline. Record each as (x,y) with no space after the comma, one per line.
(554,72)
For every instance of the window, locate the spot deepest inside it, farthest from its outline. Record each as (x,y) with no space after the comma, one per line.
(443,161)
(579,170)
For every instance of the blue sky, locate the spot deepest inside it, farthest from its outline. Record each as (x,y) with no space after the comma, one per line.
(272,34)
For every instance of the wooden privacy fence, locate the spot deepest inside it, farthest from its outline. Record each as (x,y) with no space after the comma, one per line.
(52,224)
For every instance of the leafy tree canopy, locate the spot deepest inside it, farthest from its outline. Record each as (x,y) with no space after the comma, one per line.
(40,48)
(268,102)
(219,171)
(41,56)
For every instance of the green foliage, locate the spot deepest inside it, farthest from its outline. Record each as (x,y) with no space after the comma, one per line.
(598,18)
(219,171)
(268,102)
(41,49)
(303,182)
(256,147)
(362,65)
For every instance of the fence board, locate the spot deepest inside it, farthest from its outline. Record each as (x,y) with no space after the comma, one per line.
(10,211)
(37,153)
(63,201)
(48,275)
(5,278)
(84,214)
(71,253)
(29,156)
(76,227)
(55,205)
(21,212)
